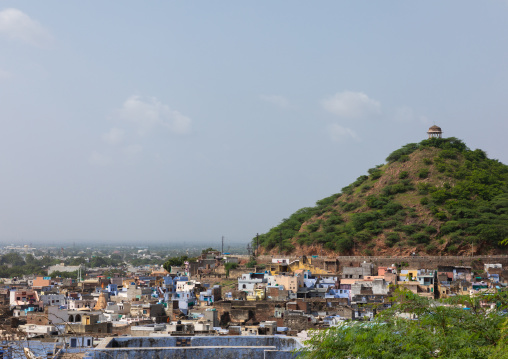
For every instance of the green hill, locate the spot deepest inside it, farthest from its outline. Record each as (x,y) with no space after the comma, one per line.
(434,197)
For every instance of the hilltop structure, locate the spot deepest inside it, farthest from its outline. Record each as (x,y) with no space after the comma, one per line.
(436,197)
(434,132)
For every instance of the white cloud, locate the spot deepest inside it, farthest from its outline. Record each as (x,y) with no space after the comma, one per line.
(339,133)
(114,136)
(351,105)
(16,25)
(133,149)
(407,114)
(98,159)
(149,114)
(277,100)
(5,74)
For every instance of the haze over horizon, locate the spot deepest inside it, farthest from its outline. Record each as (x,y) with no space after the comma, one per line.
(174,122)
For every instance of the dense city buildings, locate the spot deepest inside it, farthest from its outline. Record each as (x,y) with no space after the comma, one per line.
(215,295)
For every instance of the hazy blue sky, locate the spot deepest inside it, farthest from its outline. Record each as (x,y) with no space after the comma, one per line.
(178,121)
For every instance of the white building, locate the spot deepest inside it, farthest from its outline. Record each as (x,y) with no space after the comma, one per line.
(53,299)
(248,281)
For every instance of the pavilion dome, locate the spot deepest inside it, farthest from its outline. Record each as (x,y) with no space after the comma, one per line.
(434,131)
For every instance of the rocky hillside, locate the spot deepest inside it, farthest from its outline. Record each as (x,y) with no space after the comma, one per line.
(434,197)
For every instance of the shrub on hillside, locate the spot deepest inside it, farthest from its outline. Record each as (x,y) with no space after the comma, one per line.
(424,188)
(389,223)
(363,236)
(348,207)
(392,238)
(430,230)
(404,151)
(344,244)
(391,208)
(441,216)
(403,158)
(421,237)
(423,173)
(376,202)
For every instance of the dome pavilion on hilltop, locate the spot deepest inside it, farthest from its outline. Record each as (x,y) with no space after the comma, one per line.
(435,132)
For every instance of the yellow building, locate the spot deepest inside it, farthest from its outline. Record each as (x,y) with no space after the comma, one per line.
(259,294)
(408,275)
(306,265)
(283,265)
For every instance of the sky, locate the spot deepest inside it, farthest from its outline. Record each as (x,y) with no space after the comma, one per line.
(185,121)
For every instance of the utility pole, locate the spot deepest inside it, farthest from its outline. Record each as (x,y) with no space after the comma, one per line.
(222,251)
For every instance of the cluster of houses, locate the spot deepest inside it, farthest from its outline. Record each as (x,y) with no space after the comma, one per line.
(283,297)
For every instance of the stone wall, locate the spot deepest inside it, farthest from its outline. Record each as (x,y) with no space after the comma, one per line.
(420,262)
(241,311)
(274,293)
(201,347)
(322,305)
(192,353)
(298,322)
(430,262)
(122,330)
(37,318)
(417,260)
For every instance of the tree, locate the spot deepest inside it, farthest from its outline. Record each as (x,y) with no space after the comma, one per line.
(460,329)
(174,262)
(230,266)
(98,262)
(12,258)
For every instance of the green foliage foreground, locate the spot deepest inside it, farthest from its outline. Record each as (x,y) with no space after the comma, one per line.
(456,328)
